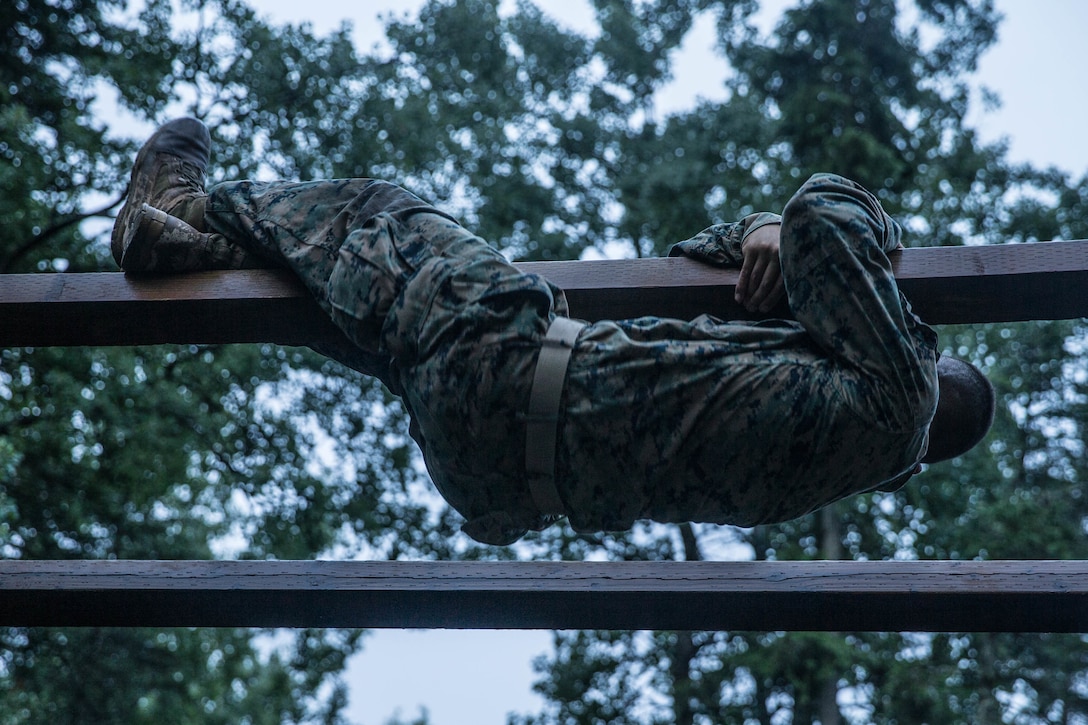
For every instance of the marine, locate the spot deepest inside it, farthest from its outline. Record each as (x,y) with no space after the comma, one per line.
(525,416)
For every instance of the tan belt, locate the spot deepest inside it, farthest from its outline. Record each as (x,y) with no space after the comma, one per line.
(542,421)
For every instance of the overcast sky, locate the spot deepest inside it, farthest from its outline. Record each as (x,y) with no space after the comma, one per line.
(1036,67)
(475,678)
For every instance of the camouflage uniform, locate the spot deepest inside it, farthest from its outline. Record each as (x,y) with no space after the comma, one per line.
(738,423)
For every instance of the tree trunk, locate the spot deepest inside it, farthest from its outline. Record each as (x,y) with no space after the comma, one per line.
(685,650)
(827,708)
(831,548)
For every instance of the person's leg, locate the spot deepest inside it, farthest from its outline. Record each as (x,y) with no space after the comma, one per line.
(302,225)
(840,286)
(389,269)
(407,283)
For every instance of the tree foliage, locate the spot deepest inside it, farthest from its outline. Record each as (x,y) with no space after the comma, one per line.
(548,142)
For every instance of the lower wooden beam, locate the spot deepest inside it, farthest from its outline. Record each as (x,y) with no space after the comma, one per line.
(994,596)
(1002,283)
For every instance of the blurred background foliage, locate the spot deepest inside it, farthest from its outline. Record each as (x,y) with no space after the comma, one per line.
(548,143)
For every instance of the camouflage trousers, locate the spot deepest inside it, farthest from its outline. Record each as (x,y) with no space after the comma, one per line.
(671,420)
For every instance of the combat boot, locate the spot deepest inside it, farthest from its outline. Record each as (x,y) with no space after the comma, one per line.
(169,174)
(163,216)
(155,241)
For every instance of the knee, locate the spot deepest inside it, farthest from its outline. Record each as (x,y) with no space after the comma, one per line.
(826,192)
(827,199)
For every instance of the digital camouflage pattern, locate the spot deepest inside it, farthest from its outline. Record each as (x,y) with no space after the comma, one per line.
(433,311)
(670,420)
(748,423)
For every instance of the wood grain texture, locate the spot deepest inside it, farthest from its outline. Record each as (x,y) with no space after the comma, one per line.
(1047,280)
(994,596)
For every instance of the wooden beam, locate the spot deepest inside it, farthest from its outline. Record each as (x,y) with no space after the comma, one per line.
(994,596)
(111,308)
(946,285)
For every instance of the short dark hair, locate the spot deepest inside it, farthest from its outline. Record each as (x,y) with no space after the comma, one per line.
(965,410)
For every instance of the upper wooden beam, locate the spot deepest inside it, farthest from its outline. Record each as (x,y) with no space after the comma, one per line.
(1002,283)
(955,596)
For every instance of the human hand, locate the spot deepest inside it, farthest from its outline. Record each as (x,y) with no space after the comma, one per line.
(760,286)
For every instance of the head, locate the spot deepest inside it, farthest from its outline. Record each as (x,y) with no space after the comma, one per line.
(965,410)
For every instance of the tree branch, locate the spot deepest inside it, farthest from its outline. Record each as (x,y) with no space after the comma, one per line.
(52,231)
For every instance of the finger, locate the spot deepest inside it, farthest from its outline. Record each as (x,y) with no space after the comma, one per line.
(765,295)
(775,290)
(759,294)
(779,292)
(755,284)
(741,292)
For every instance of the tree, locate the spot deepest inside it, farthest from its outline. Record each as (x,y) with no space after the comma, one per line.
(546,142)
(840,84)
(165,452)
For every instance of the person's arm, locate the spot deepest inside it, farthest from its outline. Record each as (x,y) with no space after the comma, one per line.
(752,245)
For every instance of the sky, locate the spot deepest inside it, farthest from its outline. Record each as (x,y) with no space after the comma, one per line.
(476,678)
